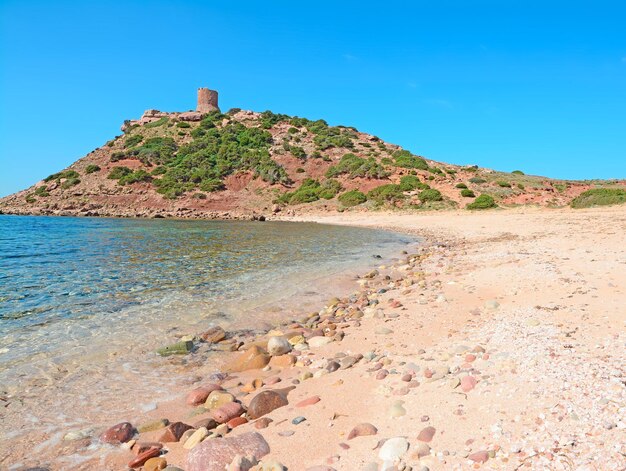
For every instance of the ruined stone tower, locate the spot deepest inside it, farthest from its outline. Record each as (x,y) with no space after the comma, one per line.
(207,100)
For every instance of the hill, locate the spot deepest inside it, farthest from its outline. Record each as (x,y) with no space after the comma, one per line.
(245,164)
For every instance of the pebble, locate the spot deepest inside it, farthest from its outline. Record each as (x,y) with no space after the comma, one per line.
(468,383)
(383,331)
(226,412)
(382,374)
(361,430)
(492,304)
(286,433)
(396,410)
(155,464)
(143,457)
(195,438)
(308,401)
(479,456)
(298,420)
(265,402)
(427,434)
(117,434)
(393,449)
(263,422)
(319,341)
(217,399)
(153,425)
(421,449)
(199,395)
(278,346)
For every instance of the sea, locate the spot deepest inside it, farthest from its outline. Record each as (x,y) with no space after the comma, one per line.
(85,302)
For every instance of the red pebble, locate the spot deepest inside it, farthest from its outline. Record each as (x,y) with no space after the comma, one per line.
(236,422)
(143,457)
(309,401)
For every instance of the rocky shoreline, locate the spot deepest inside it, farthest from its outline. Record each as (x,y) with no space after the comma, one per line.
(489,346)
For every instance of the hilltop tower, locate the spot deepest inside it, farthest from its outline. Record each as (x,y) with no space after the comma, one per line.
(207,100)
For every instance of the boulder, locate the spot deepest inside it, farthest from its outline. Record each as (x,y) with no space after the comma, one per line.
(199,395)
(190,116)
(216,454)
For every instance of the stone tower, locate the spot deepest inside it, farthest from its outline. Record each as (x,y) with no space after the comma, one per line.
(207,100)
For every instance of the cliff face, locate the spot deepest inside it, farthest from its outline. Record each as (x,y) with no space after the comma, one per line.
(247,164)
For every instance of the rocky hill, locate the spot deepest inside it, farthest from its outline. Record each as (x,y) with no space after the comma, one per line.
(244,164)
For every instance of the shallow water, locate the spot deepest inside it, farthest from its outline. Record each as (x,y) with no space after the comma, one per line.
(84,301)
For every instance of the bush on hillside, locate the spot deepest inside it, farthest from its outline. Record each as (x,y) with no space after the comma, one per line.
(352,198)
(389,193)
(355,166)
(460,185)
(411,182)
(517,172)
(483,202)
(465,193)
(599,197)
(119,172)
(403,158)
(503,184)
(92,168)
(430,195)
(477,180)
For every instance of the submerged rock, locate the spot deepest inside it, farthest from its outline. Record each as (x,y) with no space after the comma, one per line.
(178,348)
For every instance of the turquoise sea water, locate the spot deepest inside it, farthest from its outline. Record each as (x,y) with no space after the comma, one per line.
(85,301)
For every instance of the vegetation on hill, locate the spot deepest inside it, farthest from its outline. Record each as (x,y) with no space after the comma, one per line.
(270,157)
(599,197)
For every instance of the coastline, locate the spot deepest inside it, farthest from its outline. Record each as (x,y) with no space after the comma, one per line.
(510,299)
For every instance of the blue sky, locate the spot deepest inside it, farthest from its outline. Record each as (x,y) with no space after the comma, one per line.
(537,86)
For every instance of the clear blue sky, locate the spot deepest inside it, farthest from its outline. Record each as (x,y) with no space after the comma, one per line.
(534,85)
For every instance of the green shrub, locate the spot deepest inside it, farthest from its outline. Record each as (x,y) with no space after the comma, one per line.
(199,196)
(160,170)
(157,123)
(460,185)
(116,156)
(300,170)
(184,125)
(599,197)
(483,202)
(41,191)
(329,189)
(403,158)
(430,195)
(297,152)
(389,193)
(70,182)
(435,170)
(517,172)
(477,180)
(521,186)
(411,182)
(465,193)
(269,119)
(352,198)
(119,172)
(135,177)
(156,150)
(503,184)
(30,199)
(92,168)
(356,166)
(64,174)
(132,141)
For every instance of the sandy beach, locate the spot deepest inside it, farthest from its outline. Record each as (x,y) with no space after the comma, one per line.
(498,344)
